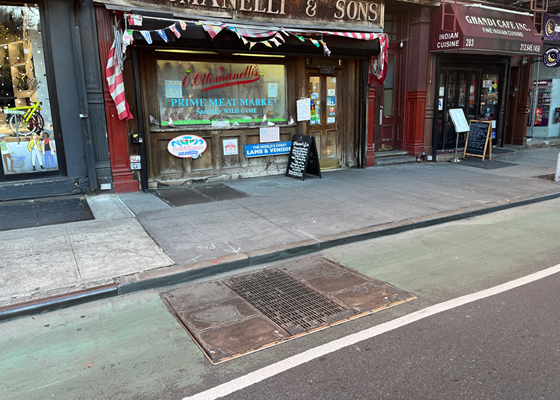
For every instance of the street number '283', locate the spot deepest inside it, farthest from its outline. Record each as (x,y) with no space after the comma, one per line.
(469,43)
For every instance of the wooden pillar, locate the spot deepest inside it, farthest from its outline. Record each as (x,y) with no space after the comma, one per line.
(523,105)
(415,86)
(123,179)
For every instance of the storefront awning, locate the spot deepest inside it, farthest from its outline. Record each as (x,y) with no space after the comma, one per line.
(480,29)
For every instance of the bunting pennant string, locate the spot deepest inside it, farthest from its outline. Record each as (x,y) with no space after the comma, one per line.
(276,36)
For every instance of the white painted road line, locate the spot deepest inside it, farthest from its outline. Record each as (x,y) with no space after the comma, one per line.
(311,354)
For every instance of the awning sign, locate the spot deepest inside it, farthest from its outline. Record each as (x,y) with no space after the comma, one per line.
(187,146)
(479,29)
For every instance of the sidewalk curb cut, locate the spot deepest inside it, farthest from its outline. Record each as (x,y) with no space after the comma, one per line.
(204,269)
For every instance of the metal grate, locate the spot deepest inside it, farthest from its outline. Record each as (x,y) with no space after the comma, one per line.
(287,302)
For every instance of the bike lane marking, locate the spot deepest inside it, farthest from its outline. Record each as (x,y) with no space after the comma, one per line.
(349,340)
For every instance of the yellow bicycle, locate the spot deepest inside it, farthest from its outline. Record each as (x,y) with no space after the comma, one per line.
(25,120)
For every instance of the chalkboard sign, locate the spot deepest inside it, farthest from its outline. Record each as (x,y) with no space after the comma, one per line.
(304,158)
(478,138)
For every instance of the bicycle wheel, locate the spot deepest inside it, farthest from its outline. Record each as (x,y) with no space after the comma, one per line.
(24,128)
(36,123)
(19,162)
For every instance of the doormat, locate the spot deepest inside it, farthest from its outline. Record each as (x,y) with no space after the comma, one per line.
(32,213)
(487,164)
(189,195)
(251,312)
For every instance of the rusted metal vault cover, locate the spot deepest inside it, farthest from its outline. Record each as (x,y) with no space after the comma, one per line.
(250,312)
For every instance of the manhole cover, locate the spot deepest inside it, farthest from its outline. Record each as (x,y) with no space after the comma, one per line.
(243,314)
(289,303)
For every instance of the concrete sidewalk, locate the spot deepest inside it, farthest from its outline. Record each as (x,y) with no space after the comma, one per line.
(138,241)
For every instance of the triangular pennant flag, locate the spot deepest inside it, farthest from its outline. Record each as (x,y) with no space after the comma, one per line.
(147,36)
(183,25)
(244,40)
(135,20)
(173,28)
(316,43)
(163,35)
(300,38)
(279,36)
(266,43)
(285,33)
(251,44)
(127,37)
(276,42)
(326,49)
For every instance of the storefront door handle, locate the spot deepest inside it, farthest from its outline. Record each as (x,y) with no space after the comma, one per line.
(82,116)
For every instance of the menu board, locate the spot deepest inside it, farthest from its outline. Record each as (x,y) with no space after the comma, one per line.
(477,139)
(304,158)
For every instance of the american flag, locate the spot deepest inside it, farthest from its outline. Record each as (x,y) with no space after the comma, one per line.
(114,77)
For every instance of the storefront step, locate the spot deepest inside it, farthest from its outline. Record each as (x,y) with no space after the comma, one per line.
(391,153)
(394,160)
(44,188)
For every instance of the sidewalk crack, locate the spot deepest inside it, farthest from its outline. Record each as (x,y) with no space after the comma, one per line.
(78,272)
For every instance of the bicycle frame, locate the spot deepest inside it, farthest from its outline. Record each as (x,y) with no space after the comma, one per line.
(30,109)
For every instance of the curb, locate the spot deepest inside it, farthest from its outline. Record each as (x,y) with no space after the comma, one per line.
(53,303)
(178,274)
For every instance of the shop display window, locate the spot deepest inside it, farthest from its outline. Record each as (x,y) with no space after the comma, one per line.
(27,142)
(220,94)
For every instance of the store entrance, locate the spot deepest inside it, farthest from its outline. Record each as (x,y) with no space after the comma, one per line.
(324,92)
(477,92)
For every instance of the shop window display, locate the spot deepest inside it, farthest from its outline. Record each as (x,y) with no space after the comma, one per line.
(220,94)
(27,141)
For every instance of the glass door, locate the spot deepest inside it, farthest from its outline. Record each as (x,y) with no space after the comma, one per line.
(457,89)
(325,109)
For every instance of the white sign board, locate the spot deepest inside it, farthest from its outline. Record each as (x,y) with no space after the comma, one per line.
(230,147)
(304,110)
(173,89)
(459,120)
(272,90)
(270,134)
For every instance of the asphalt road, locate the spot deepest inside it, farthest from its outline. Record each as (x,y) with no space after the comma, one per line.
(501,347)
